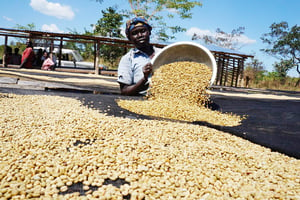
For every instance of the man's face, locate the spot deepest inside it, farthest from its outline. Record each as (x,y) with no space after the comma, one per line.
(28,43)
(140,36)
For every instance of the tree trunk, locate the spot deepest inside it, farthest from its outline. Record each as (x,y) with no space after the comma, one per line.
(298,83)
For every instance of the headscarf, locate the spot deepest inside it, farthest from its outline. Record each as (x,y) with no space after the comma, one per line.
(135,22)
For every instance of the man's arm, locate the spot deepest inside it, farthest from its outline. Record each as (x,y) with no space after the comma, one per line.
(140,85)
(26,56)
(24,62)
(131,90)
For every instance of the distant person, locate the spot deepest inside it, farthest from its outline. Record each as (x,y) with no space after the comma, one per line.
(16,57)
(247,81)
(7,56)
(38,58)
(135,67)
(45,55)
(48,63)
(27,56)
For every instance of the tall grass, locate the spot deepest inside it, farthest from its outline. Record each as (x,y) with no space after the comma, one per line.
(288,84)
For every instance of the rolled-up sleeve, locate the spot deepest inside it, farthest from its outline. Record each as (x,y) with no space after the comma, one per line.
(130,69)
(125,72)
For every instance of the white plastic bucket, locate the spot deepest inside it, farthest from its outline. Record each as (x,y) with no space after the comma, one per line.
(186,51)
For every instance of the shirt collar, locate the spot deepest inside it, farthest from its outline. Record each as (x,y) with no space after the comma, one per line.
(136,50)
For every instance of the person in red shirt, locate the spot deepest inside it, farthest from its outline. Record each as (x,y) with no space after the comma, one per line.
(27,56)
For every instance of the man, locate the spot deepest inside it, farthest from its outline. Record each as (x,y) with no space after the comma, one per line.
(16,57)
(7,56)
(27,56)
(135,67)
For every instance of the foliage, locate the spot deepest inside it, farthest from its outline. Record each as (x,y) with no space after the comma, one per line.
(83,48)
(256,77)
(111,54)
(109,26)
(274,81)
(87,49)
(284,44)
(29,27)
(156,10)
(254,70)
(13,45)
(110,23)
(222,39)
(283,67)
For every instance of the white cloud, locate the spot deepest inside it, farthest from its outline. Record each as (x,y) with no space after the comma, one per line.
(245,40)
(242,39)
(199,32)
(52,9)
(51,28)
(8,19)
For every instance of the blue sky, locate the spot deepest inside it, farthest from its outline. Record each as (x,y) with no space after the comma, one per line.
(255,15)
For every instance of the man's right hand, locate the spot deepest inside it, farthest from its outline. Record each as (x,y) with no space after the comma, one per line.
(147,70)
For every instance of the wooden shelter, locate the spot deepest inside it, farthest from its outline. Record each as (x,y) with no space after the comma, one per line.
(66,37)
(230,64)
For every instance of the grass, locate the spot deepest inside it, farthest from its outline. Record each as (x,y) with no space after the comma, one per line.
(288,85)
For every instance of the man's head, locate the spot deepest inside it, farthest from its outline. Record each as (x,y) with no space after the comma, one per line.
(29,43)
(136,22)
(17,50)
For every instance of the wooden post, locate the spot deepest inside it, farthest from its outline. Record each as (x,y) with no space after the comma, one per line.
(233,72)
(51,46)
(226,71)
(60,51)
(95,55)
(97,58)
(222,71)
(5,52)
(240,80)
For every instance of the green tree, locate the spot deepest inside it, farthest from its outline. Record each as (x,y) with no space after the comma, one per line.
(222,39)
(254,71)
(86,50)
(284,44)
(272,76)
(157,10)
(109,26)
(282,68)
(110,23)
(29,27)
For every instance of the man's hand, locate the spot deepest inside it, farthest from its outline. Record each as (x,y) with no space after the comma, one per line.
(147,70)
